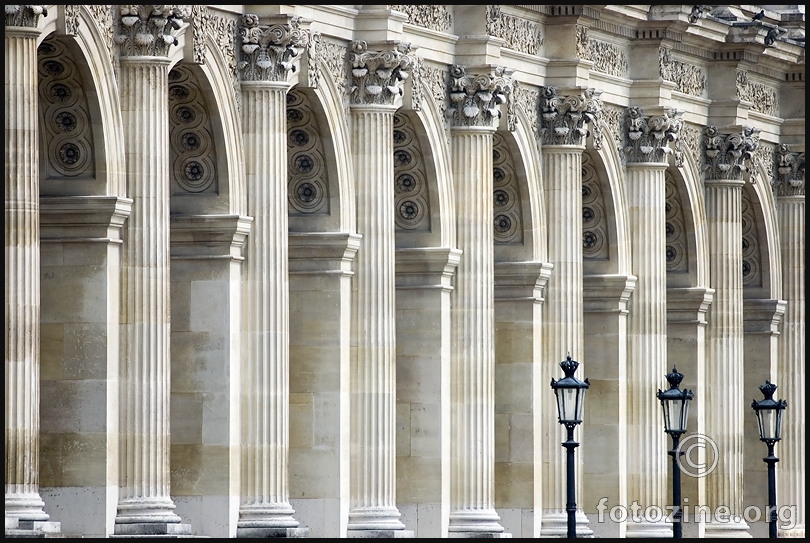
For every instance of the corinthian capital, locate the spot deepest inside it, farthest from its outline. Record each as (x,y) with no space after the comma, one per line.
(376,76)
(268,53)
(727,155)
(789,178)
(647,139)
(27,16)
(475,99)
(147,30)
(563,118)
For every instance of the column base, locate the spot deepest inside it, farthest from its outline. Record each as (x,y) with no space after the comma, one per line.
(727,529)
(479,535)
(163,529)
(380,534)
(555,524)
(262,532)
(32,528)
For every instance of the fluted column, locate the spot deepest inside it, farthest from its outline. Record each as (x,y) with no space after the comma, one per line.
(144,504)
(789,189)
(473,113)
(24,507)
(266,53)
(646,140)
(376,79)
(563,121)
(726,403)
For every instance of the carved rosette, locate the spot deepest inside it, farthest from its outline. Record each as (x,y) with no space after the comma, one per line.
(789,172)
(647,139)
(563,119)
(26,16)
(268,52)
(475,100)
(147,30)
(376,77)
(726,154)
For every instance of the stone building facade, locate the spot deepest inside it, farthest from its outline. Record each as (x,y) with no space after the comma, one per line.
(308,270)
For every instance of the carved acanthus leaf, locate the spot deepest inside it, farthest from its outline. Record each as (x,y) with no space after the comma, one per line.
(647,139)
(147,30)
(789,172)
(25,15)
(268,52)
(727,155)
(563,119)
(377,76)
(475,99)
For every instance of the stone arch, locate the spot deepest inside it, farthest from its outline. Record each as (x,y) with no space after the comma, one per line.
(760,194)
(690,181)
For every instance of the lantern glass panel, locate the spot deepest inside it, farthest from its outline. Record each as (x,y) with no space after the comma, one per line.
(769,423)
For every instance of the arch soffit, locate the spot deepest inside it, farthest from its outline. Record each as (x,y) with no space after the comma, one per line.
(689,174)
(100,68)
(770,222)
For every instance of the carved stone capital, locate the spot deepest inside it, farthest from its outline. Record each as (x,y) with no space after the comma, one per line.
(26,16)
(474,99)
(268,52)
(647,138)
(727,155)
(789,178)
(147,30)
(377,76)
(563,118)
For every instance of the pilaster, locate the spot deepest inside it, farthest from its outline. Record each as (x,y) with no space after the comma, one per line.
(24,508)
(790,370)
(473,111)
(564,122)
(726,156)
(267,56)
(375,84)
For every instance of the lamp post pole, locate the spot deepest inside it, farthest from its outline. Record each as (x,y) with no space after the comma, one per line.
(571,501)
(771,460)
(677,527)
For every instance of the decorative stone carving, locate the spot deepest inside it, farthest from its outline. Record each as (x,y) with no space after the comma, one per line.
(334,57)
(751,253)
(726,154)
(677,246)
(612,117)
(762,97)
(690,140)
(147,30)
(71,12)
(595,240)
(411,195)
(519,34)
(417,68)
(474,99)
(27,16)
(308,185)
(563,119)
(313,55)
(376,77)
(200,23)
(789,172)
(433,17)
(268,52)
(697,13)
(690,79)
(608,58)
(103,17)
(506,204)
(647,138)
(583,43)
(224,32)
(528,98)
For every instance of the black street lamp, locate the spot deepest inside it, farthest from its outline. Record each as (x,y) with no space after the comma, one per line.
(769,417)
(570,393)
(675,403)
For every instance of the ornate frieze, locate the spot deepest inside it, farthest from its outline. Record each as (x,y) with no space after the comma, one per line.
(267,52)
(377,76)
(563,119)
(431,16)
(519,34)
(475,99)
(411,196)
(762,97)
(147,30)
(308,185)
(193,158)
(595,240)
(26,16)
(200,24)
(789,172)
(727,155)
(608,58)
(506,205)
(690,79)
(64,115)
(647,138)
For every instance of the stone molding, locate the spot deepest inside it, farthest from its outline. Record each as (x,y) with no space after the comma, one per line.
(563,119)
(726,154)
(268,51)
(147,30)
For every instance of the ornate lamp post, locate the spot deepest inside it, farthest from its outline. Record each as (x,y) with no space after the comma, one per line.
(675,403)
(769,416)
(570,393)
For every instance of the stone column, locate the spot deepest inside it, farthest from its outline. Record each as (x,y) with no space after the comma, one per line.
(375,83)
(267,54)
(790,373)
(725,407)
(145,505)
(645,150)
(563,131)
(24,508)
(474,111)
